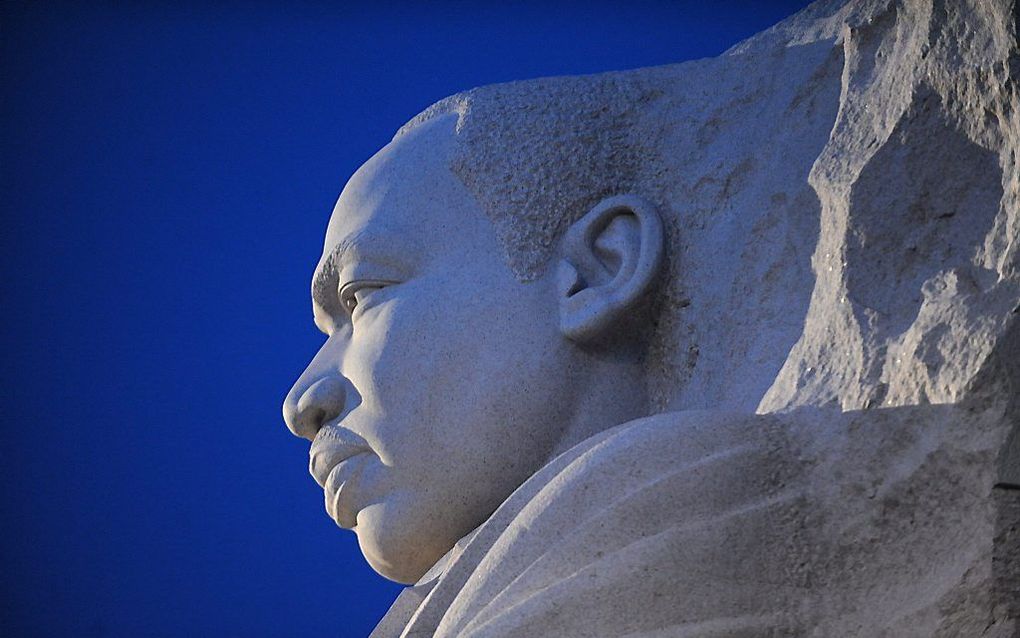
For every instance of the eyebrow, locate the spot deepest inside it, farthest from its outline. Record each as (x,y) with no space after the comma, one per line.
(326,278)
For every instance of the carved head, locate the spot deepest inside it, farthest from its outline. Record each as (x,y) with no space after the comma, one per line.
(483,289)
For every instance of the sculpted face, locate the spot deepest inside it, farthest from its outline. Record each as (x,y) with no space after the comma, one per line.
(444,381)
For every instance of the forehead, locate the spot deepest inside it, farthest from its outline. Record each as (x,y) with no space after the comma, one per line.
(404,207)
(403,191)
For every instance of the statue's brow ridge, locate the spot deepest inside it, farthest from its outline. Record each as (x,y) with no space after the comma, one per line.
(324,281)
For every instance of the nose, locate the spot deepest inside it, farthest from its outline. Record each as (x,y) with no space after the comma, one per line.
(312,403)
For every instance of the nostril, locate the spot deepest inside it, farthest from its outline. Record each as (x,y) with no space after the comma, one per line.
(319,403)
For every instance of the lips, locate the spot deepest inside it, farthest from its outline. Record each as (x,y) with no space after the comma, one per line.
(338,489)
(331,464)
(332,446)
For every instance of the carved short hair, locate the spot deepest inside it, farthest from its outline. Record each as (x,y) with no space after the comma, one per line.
(539,154)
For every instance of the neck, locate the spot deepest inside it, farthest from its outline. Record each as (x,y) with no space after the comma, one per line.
(613,392)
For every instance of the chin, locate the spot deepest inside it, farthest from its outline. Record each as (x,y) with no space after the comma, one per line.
(395,549)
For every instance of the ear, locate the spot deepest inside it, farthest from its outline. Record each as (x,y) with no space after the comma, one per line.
(610,257)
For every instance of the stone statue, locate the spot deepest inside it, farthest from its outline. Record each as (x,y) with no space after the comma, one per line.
(722,348)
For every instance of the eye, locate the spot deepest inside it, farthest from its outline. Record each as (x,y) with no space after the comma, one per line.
(355,293)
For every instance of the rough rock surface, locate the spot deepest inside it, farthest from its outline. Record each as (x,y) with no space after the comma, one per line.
(882,136)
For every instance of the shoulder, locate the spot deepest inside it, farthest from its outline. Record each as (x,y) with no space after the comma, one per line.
(611,524)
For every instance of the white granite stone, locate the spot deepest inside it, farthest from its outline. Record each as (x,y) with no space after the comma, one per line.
(723,348)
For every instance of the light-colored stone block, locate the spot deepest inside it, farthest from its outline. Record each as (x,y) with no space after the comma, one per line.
(723,348)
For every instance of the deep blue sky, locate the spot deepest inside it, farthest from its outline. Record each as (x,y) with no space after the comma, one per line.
(167,174)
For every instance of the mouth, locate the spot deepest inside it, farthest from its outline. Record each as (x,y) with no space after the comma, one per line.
(332,463)
(332,445)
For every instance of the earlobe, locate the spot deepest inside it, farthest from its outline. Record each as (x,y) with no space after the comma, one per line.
(610,259)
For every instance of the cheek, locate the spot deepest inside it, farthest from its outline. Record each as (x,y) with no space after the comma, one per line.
(458,381)
(423,341)
(397,359)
